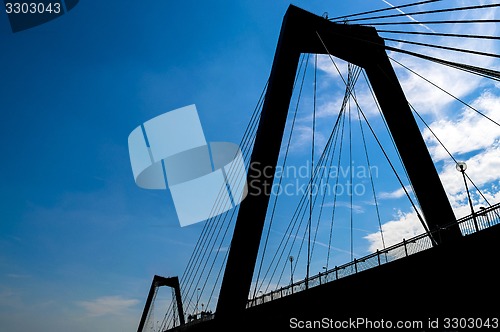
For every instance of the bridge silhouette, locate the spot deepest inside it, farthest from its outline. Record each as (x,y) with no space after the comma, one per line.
(450,265)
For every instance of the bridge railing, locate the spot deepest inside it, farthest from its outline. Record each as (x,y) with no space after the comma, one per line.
(470,224)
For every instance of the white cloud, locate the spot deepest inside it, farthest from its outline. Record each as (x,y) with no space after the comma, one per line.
(303,136)
(466,134)
(404,226)
(481,168)
(468,131)
(326,65)
(108,305)
(424,96)
(470,138)
(330,107)
(396,193)
(356,208)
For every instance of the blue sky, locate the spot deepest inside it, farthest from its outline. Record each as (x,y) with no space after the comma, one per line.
(79,241)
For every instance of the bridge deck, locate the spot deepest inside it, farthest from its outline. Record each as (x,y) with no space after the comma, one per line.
(390,284)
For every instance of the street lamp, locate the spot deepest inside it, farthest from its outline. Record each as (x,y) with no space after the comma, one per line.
(461,167)
(197,301)
(325,268)
(485,214)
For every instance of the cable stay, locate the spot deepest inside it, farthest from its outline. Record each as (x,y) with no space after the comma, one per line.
(170,319)
(432,22)
(383,10)
(206,243)
(351,217)
(332,223)
(289,232)
(481,193)
(328,152)
(454,159)
(305,59)
(299,213)
(401,164)
(394,170)
(315,179)
(488,73)
(344,114)
(435,11)
(433,133)
(300,210)
(444,47)
(379,219)
(352,78)
(378,141)
(309,221)
(439,34)
(149,324)
(447,150)
(448,93)
(484,72)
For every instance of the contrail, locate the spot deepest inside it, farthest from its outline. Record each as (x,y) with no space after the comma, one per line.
(409,16)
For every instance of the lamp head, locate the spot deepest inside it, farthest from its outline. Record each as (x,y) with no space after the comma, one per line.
(461,166)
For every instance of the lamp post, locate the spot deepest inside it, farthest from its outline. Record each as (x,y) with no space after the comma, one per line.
(197,301)
(461,167)
(324,272)
(485,214)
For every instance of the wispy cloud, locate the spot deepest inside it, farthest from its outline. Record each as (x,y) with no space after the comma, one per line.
(396,193)
(303,136)
(404,226)
(319,243)
(356,208)
(18,276)
(108,305)
(467,131)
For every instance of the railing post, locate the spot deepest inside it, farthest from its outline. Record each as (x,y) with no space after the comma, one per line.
(355,265)
(378,257)
(475,221)
(406,250)
(336,272)
(485,215)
